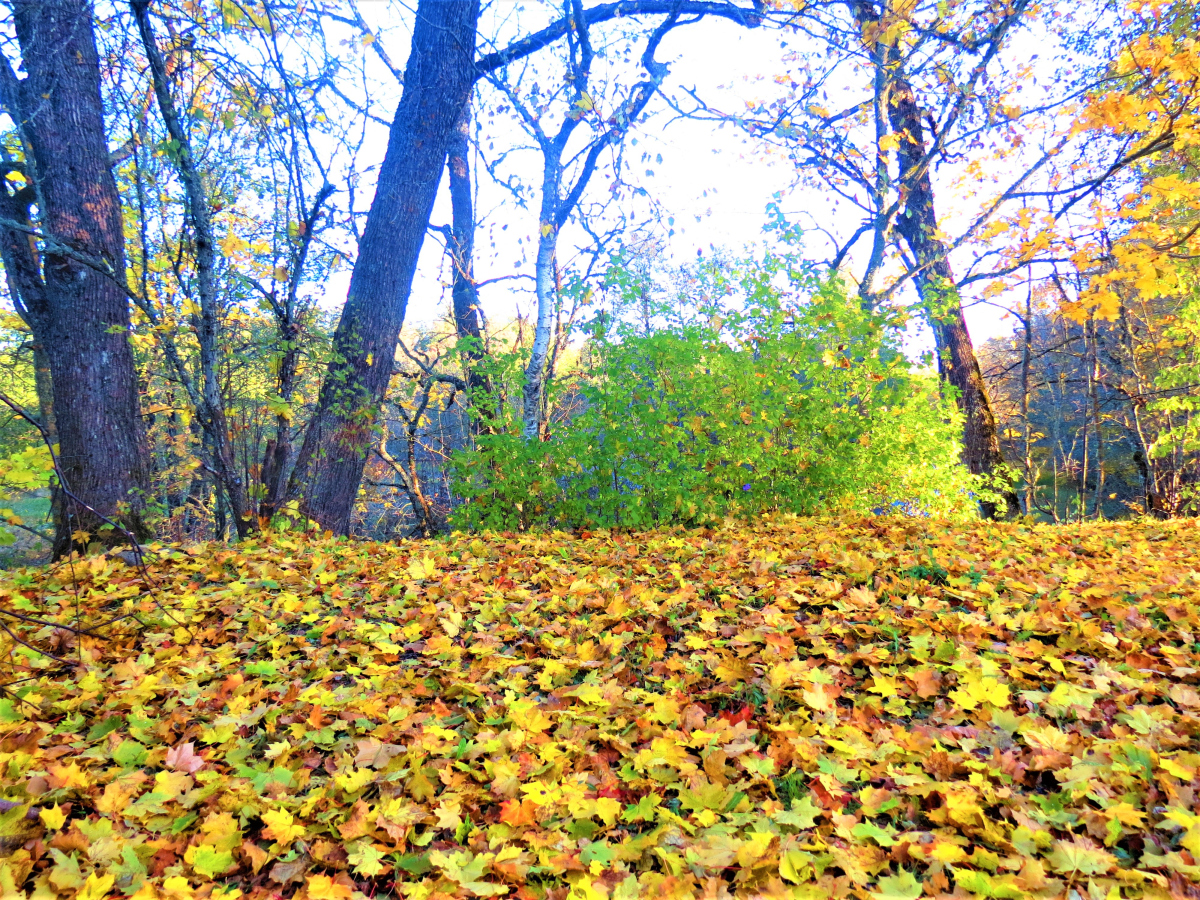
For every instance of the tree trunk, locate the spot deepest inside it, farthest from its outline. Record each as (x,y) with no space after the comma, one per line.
(535,372)
(80,315)
(1094,375)
(464,295)
(1026,425)
(957,363)
(212,406)
(468,319)
(437,83)
(556,209)
(279,448)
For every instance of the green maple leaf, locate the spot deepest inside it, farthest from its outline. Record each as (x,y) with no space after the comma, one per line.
(984,885)
(642,811)
(803,813)
(466,868)
(209,861)
(898,887)
(864,830)
(598,852)
(1069,857)
(129,754)
(367,859)
(130,869)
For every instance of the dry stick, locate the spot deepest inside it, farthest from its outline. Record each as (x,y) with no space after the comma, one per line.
(33,620)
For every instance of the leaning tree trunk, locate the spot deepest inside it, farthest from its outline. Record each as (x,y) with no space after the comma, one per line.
(957,362)
(80,315)
(437,83)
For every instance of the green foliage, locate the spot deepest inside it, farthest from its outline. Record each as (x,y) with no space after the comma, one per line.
(781,394)
(1178,401)
(21,473)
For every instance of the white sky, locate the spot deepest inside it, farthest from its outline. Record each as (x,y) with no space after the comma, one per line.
(716,183)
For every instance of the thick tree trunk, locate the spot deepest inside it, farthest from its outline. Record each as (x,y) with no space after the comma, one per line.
(437,83)
(958,364)
(43,383)
(80,315)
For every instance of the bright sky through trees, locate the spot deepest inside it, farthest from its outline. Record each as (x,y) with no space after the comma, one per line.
(713,184)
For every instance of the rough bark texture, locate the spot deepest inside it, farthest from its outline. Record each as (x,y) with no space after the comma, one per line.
(437,83)
(935,283)
(80,316)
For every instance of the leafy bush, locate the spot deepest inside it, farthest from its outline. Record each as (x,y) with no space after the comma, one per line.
(781,394)
(21,474)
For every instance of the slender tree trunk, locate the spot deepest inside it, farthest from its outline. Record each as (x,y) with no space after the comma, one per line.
(468,318)
(80,315)
(917,224)
(1087,446)
(1152,498)
(458,169)
(1094,396)
(1027,428)
(958,364)
(535,370)
(279,448)
(556,208)
(212,407)
(437,83)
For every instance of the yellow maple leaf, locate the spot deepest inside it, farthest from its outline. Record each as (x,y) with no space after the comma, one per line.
(322,887)
(53,818)
(1080,856)
(607,810)
(585,889)
(885,686)
(424,569)
(281,827)
(96,887)
(69,777)
(354,780)
(234,245)
(177,888)
(818,699)
(541,794)
(978,690)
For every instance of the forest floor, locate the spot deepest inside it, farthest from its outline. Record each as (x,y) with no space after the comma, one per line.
(882,708)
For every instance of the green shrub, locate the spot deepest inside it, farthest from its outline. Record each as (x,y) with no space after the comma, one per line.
(782,394)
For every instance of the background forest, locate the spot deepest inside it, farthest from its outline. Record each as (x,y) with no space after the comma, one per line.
(217,214)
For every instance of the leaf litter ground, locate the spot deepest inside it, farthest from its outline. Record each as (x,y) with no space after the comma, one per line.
(801,709)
